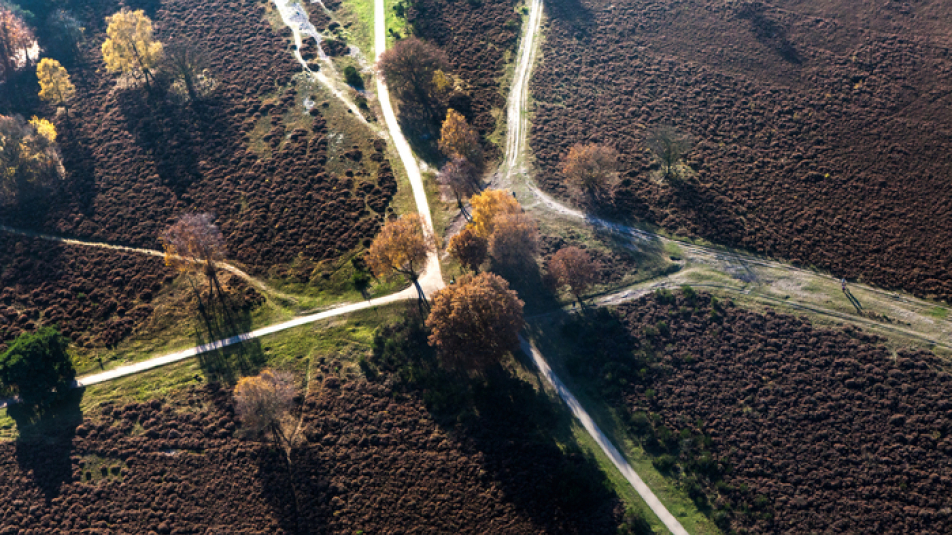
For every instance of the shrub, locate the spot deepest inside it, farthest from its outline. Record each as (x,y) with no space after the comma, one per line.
(353,78)
(37,366)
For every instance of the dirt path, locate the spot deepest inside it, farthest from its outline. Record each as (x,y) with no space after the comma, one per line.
(432,278)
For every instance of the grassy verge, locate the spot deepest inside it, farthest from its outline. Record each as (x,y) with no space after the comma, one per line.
(545,333)
(343,339)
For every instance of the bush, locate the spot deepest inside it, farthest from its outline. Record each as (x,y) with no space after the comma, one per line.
(37,366)
(353,77)
(634,524)
(664,463)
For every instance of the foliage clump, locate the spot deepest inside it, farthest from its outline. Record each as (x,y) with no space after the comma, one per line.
(37,366)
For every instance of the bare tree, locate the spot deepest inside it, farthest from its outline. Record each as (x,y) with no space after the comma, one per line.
(195,245)
(460,176)
(187,63)
(669,145)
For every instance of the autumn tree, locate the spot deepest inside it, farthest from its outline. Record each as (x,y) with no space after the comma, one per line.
(37,366)
(29,159)
(573,267)
(402,246)
(16,38)
(474,322)
(460,140)
(409,69)
(263,402)
(460,177)
(194,244)
(489,205)
(515,239)
(669,146)
(186,64)
(469,249)
(591,169)
(130,46)
(55,86)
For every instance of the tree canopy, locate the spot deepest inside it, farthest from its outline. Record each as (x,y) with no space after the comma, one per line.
(460,176)
(29,159)
(37,366)
(469,249)
(410,69)
(591,169)
(15,39)
(573,267)
(460,140)
(474,322)
(55,86)
(130,45)
(515,239)
(401,246)
(489,205)
(669,146)
(262,402)
(194,243)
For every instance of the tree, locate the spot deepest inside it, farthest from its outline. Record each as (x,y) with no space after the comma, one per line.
(29,160)
(402,246)
(55,86)
(130,46)
(460,140)
(489,205)
(263,402)
(37,366)
(514,240)
(409,68)
(573,267)
(195,245)
(669,145)
(187,64)
(16,38)
(460,176)
(469,249)
(65,33)
(591,169)
(475,321)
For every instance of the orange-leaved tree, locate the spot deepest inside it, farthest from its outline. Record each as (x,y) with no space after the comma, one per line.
(591,169)
(515,240)
(263,402)
(573,267)
(489,205)
(460,140)
(474,322)
(402,246)
(194,244)
(468,248)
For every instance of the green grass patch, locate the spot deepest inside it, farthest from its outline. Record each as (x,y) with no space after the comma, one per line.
(939,312)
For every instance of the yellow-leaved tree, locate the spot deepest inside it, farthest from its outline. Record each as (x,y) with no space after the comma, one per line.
(55,86)
(489,205)
(130,46)
(460,140)
(29,160)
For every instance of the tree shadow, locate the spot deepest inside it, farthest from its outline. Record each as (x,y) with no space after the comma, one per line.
(571,12)
(422,134)
(230,355)
(712,214)
(45,441)
(533,287)
(769,32)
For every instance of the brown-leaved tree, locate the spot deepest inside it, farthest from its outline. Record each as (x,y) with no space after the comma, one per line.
(474,322)
(194,244)
(573,267)
(15,40)
(515,240)
(402,246)
(469,248)
(409,69)
(461,177)
(592,170)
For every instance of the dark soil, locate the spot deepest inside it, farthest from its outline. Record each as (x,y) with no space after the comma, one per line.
(371,462)
(807,430)
(822,128)
(476,35)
